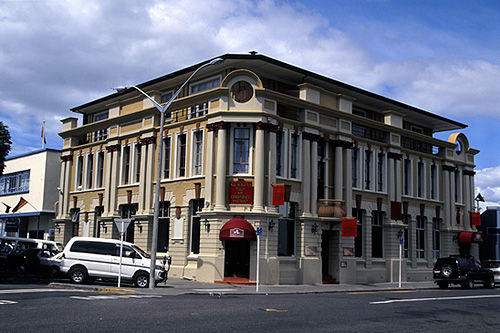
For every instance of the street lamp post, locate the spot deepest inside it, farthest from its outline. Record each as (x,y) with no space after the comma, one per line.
(162,109)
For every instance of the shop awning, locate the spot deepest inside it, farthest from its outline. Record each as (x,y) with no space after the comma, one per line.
(237,229)
(470,237)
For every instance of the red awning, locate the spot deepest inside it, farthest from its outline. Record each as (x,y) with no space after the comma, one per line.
(470,237)
(237,229)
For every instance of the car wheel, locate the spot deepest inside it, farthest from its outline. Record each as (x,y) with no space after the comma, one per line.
(21,269)
(78,275)
(141,280)
(443,285)
(446,270)
(468,284)
(490,284)
(53,271)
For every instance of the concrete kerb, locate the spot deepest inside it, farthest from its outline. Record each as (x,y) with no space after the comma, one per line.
(177,286)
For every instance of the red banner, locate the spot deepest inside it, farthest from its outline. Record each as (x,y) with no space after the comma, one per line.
(241,193)
(349,227)
(278,195)
(396,211)
(475,218)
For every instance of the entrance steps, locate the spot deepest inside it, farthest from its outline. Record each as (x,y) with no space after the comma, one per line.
(328,279)
(236,280)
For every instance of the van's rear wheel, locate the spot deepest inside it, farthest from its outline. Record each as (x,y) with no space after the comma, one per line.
(78,275)
(141,280)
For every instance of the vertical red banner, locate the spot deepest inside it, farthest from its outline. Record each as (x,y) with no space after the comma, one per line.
(475,218)
(278,195)
(349,227)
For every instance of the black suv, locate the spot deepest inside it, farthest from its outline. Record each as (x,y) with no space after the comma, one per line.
(464,271)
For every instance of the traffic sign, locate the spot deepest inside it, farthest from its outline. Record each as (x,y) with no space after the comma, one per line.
(259,231)
(122,224)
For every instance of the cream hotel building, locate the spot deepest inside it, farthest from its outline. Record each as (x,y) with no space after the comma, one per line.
(330,177)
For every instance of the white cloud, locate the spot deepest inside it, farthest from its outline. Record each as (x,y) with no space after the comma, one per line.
(488,184)
(66,53)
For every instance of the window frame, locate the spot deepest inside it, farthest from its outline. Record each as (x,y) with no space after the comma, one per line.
(217,78)
(21,177)
(295,155)
(181,154)
(197,152)
(407,177)
(126,155)
(378,225)
(250,150)
(420,237)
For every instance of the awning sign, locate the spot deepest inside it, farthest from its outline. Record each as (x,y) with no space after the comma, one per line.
(236,233)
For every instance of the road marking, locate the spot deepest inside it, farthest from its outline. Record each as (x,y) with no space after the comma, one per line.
(435,299)
(275,310)
(19,291)
(5,302)
(378,292)
(214,290)
(105,297)
(116,290)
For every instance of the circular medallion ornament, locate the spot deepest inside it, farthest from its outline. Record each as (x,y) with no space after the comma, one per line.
(242,91)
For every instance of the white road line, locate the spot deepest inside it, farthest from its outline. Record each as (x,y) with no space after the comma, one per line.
(435,299)
(105,297)
(22,291)
(5,302)
(214,290)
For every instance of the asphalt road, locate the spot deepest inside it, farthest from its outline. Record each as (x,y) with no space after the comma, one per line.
(36,308)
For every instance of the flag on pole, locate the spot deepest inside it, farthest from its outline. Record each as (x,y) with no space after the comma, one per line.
(19,205)
(44,142)
(7,208)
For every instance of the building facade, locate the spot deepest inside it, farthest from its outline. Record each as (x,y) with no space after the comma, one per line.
(28,194)
(328,176)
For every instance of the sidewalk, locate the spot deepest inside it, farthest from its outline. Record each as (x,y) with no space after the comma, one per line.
(178,286)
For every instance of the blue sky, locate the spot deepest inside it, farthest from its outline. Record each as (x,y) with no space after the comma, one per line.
(442,56)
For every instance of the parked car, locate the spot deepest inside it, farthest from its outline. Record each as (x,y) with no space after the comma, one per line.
(465,271)
(494,266)
(34,260)
(87,258)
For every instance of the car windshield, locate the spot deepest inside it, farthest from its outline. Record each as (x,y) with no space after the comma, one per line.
(141,252)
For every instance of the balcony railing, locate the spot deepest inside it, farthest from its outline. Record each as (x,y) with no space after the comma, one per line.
(331,208)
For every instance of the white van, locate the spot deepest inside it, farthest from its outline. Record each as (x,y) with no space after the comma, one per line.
(89,258)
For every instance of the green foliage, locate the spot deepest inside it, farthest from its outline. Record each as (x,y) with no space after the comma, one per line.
(4,145)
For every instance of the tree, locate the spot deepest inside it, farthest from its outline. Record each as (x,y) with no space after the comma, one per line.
(4,145)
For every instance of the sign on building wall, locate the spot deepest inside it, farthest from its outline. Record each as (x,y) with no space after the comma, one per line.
(475,218)
(349,227)
(396,211)
(241,193)
(278,195)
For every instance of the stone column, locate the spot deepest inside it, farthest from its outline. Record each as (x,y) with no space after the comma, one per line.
(111,178)
(209,165)
(65,181)
(446,196)
(220,195)
(338,182)
(305,173)
(142,176)
(259,168)
(314,177)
